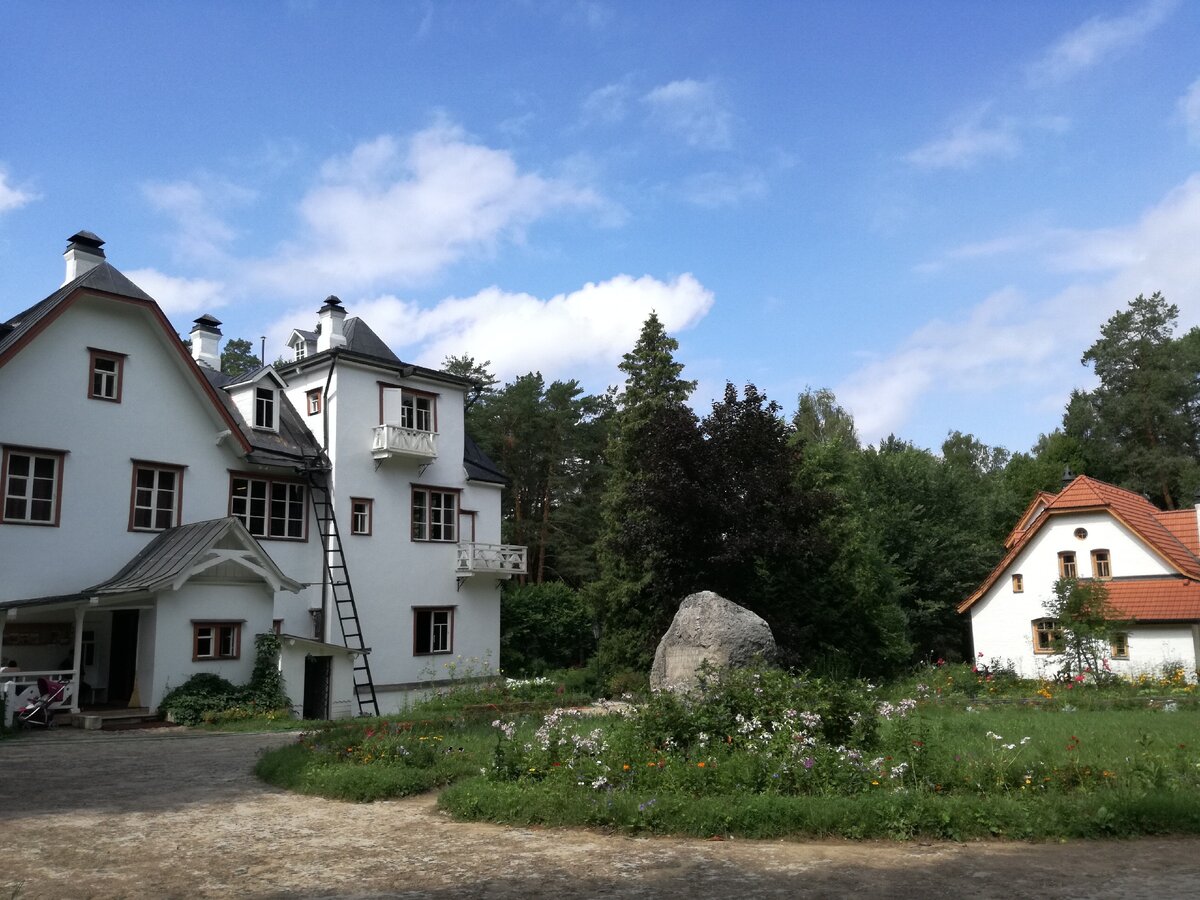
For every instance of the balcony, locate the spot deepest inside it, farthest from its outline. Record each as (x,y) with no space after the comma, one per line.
(396,440)
(503,560)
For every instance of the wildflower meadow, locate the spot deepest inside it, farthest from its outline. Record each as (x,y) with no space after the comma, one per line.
(954,752)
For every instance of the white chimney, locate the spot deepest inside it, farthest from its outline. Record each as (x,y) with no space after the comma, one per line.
(83,254)
(329,325)
(206,341)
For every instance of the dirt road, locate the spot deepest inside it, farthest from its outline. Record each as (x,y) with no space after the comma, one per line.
(171,813)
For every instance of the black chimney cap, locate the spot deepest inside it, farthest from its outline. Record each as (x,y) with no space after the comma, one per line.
(86,239)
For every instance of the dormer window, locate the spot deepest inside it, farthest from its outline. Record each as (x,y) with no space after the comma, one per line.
(264,408)
(301,350)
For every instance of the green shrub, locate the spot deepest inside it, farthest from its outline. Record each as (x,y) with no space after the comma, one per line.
(207,697)
(543,627)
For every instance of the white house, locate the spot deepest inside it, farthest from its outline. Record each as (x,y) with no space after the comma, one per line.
(158,514)
(1148,559)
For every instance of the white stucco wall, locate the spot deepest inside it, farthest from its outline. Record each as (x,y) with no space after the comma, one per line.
(1001,621)
(390,572)
(172,630)
(341,689)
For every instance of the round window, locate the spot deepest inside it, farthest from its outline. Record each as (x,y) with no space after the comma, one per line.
(1081,533)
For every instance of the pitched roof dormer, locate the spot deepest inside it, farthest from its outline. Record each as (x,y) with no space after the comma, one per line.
(257,397)
(303,343)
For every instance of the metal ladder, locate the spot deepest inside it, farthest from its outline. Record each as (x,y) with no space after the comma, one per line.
(343,594)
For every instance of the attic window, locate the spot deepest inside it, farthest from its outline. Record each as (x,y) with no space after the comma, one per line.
(1018,584)
(301,350)
(1101,564)
(1066,565)
(105,371)
(264,408)
(1081,533)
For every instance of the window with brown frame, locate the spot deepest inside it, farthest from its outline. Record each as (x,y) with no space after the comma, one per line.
(433,630)
(157,496)
(1066,565)
(1119,646)
(105,374)
(1101,564)
(1047,636)
(31,486)
(313,403)
(269,508)
(434,514)
(1018,584)
(216,640)
(361,509)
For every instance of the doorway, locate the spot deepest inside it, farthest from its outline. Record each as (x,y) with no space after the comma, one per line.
(317,671)
(122,656)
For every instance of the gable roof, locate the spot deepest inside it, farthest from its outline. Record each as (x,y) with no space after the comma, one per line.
(106,281)
(1155,599)
(1167,534)
(102,278)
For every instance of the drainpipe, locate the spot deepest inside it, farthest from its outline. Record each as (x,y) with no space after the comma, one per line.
(326,628)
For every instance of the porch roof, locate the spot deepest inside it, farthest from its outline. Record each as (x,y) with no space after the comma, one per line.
(171,559)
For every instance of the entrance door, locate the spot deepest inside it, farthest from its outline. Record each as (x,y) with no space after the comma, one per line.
(122,655)
(317,670)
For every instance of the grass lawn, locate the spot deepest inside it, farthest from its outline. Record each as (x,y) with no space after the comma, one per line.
(768,754)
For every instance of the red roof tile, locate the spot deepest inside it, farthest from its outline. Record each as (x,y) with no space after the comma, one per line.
(1155,599)
(1168,533)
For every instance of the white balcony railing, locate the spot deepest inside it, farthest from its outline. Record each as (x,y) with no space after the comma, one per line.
(491,559)
(396,440)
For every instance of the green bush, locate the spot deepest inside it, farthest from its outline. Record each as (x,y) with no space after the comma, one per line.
(207,697)
(543,627)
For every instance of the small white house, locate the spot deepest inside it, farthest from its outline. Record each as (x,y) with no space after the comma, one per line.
(157,513)
(1147,558)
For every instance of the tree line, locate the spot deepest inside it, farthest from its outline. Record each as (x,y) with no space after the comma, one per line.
(856,555)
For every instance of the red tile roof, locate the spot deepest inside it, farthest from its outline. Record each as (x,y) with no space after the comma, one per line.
(1155,599)
(1169,534)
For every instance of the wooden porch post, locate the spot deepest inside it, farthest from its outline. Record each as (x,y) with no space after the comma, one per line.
(77,680)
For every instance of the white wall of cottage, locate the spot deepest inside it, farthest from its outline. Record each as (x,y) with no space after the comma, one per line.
(391,573)
(163,417)
(1001,621)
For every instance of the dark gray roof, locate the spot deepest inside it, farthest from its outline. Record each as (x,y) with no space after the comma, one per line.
(307,335)
(102,277)
(254,375)
(361,339)
(478,465)
(165,558)
(293,445)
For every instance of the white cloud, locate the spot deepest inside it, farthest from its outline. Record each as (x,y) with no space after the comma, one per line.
(11,196)
(967,143)
(196,207)
(403,211)
(180,296)
(1097,40)
(575,335)
(1189,112)
(1011,341)
(607,105)
(693,110)
(713,190)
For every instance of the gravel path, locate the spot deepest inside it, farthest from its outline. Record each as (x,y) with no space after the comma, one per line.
(173,813)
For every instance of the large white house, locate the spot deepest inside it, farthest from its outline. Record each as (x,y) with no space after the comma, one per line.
(158,514)
(1148,559)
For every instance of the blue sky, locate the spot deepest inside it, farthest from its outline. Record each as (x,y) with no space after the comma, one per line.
(929,208)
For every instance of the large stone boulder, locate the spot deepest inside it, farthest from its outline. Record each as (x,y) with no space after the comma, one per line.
(708,627)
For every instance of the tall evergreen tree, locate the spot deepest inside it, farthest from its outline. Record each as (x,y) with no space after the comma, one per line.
(651,546)
(1141,426)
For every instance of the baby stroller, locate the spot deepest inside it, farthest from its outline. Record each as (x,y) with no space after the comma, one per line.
(40,712)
